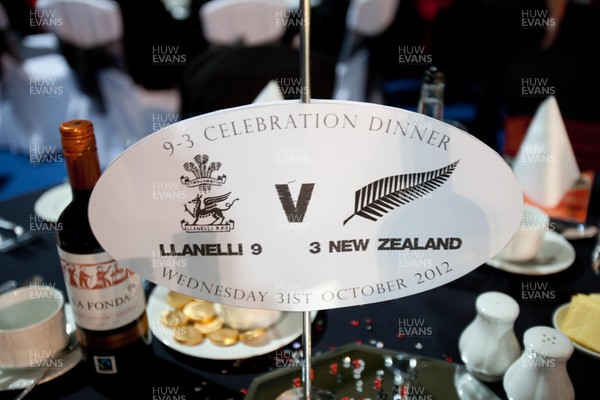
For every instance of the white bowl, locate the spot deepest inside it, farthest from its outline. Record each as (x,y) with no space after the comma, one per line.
(244,319)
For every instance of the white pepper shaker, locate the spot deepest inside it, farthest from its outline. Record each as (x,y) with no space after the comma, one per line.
(541,371)
(489,345)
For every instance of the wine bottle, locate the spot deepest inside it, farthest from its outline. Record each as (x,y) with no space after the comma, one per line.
(107,298)
(431,100)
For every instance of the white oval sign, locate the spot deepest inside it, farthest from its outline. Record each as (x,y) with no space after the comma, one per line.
(300,207)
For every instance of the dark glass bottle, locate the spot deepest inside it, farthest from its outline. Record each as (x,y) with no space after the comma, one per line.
(108,300)
(431,100)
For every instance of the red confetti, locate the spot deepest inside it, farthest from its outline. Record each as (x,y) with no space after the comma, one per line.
(333,368)
(369,320)
(448,359)
(356,363)
(359,341)
(244,391)
(332,347)
(377,384)
(354,323)
(297,382)
(400,336)
(403,390)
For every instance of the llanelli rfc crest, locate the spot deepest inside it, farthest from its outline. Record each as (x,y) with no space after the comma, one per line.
(206,210)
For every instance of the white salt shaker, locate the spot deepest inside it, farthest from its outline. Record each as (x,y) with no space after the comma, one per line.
(489,345)
(541,371)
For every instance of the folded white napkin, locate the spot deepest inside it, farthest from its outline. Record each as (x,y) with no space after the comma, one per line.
(545,164)
(271,92)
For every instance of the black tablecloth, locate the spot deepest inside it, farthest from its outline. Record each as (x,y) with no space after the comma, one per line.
(445,311)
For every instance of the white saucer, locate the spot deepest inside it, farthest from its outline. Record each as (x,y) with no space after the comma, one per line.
(558,252)
(557,319)
(11,379)
(52,202)
(288,328)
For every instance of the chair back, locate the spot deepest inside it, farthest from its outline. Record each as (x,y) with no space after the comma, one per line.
(134,111)
(42,91)
(371,17)
(4,22)
(16,117)
(91,34)
(40,94)
(86,23)
(214,80)
(243,22)
(356,78)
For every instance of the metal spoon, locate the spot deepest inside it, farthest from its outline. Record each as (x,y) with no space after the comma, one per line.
(537,260)
(596,259)
(13,235)
(12,283)
(8,285)
(574,231)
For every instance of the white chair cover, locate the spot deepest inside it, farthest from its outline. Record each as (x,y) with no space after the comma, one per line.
(86,23)
(365,18)
(40,94)
(371,17)
(245,22)
(134,111)
(351,77)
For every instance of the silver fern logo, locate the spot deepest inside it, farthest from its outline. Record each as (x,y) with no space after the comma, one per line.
(386,194)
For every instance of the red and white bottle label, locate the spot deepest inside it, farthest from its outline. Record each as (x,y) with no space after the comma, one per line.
(103,294)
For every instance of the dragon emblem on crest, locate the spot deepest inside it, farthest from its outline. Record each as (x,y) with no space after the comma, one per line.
(206,213)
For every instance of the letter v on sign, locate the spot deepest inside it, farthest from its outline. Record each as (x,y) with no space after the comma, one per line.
(295,213)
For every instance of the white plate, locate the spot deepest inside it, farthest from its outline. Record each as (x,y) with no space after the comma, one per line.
(52,202)
(19,379)
(558,252)
(288,328)
(557,319)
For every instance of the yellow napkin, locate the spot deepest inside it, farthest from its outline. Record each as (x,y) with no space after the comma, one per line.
(582,322)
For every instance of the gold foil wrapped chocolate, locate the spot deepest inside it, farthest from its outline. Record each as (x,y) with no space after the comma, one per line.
(199,311)
(225,337)
(188,335)
(209,327)
(193,320)
(173,318)
(253,335)
(178,300)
